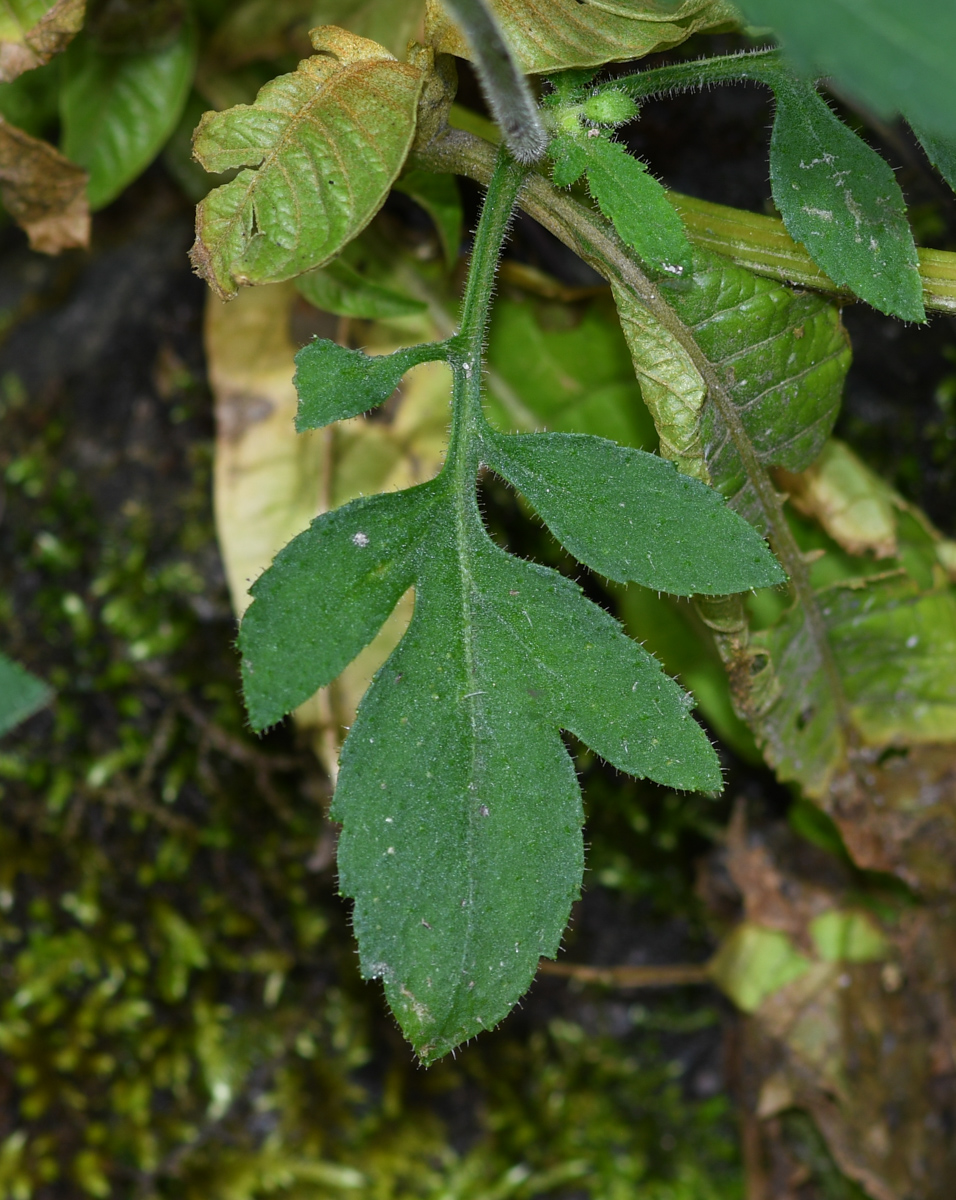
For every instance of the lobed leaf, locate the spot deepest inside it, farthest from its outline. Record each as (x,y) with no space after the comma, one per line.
(320,148)
(632,517)
(117,110)
(455,758)
(841,199)
(893,57)
(781,354)
(21,694)
(553,35)
(334,383)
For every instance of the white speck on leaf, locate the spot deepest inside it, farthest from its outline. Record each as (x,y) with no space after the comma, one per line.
(360,539)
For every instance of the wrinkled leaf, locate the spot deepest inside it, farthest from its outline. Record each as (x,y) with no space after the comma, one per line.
(117,110)
(335,383)
(894,57)
(631,517)
(782,355)
(841,200)
(628,196)
(33,31)
(21,694)
(321,147)
(44,192)
(559,34)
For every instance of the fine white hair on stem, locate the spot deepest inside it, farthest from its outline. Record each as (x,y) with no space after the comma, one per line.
(505,88)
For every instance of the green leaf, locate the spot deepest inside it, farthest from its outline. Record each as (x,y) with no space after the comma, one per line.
(941,152)
(630,516)
(438,195)
(117,110)
(325,597)
(335,383)
(841,199)
(338,288)
(21,694)
(455,758)
(321,146)
(568,160)
(633,201)
(895,648)
(567,33)
(782,355)
(754,962)
(894,57)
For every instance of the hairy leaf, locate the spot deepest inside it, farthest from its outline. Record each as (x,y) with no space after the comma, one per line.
(320,149)
(558,34)
(21,694)
(628,196)
(43,192)
(841,199)
(781,354)
(941,152)
(117,110)
(334,383)
(338,288)
(32,31)
(455,756)
(630,516)
(894,57)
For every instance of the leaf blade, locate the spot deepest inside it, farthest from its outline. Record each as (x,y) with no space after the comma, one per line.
(21,694)
(632,517)
(320,146)
(841,200)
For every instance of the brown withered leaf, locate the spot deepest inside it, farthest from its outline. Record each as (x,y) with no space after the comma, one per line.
(863,1042)
(22,49)
(43,192)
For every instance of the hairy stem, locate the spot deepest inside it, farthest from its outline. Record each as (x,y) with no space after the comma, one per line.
(592,239)
(758,66)
(506,91)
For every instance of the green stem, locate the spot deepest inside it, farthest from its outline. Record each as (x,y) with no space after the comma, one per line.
(758,66)
(467,346)
(591,238)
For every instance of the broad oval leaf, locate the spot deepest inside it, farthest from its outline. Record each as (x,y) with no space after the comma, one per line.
(632,517)
(320,146)
(841,200)
(455,758)
(553,35)
(782,355)
(117,110)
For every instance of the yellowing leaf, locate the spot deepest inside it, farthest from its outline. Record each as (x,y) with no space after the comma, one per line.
(320,148)
(754,962)
(32,31)
(553,35)
(43,191)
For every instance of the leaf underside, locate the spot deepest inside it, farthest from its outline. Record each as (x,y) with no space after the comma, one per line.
(553,35)
(317,151)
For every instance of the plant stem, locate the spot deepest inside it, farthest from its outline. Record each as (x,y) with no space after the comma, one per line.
(591,238)
(467,346)
(758,66)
